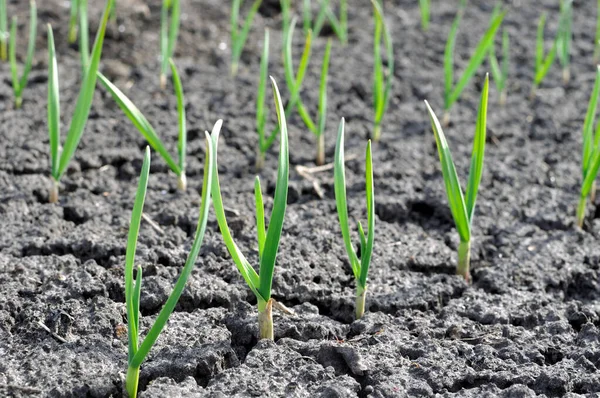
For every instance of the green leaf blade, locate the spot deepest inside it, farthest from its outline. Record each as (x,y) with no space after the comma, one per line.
(453,189)
(85,97)
(477,155)
(53,106)
(273,237)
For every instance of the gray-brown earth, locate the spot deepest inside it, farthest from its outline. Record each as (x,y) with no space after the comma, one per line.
(528,326)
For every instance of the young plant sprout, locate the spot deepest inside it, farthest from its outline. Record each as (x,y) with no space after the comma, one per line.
(500,70)
(137,351)
(20,83)
(542,63)
(294,84)
(60,159)
(146,129)
(591,152)
(316,127)
(382,81)
(264,141)
(425,6)
(3,31)
(72,20)
(84,34)
(169,29)
(268,240)
(238,37)
(563,39)
(360,266)
(461,206)
(339,26)
(453,91)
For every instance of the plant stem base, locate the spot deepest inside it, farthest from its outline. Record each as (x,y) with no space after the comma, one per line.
(320,150)
(131,383)
(581,211)
(53,196)
(376,132)
(464,261)
(182,182)
(163,81)
(361,296)
(265,320)
(446,119)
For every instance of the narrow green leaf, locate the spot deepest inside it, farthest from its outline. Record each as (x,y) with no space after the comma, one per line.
(260,216)
(306,16)
(248,273)
(173,27)
(140,122)
(477,155)
(453,190)
(137,292)
(340,200)
(321,16)
(53,106)
(169,306)
(267,260)
(322,115)
(241,36)
(588,125)
(182,136)
(12,57)
(84,35)
(361,236)
(132,238)
(261,117)
(539,43)
(72,20)
(449,59)
(30,44)
(85,97)
(366,251)
(545,66)
(425,14)
(3,29)
(477,57)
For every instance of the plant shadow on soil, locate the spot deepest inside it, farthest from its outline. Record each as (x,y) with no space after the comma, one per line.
(528,326)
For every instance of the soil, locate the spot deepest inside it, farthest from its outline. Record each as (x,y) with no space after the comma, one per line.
(529,325)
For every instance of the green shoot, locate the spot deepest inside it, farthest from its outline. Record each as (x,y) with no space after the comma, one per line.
(20,83)
(453,91)
(137,352)
(294,83)
(72,21)
(338,25)
(564,37)
(500,70)
(285,16)
(360,266)
(597,37)
(3,31)
(590,161)
(425,6)
(169,29)
(294,86)
(382,81)
(264,142)
(463,206)
(84,34)
(542,63)
(238,37)
(60,159)
(146,129)
(268,241)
